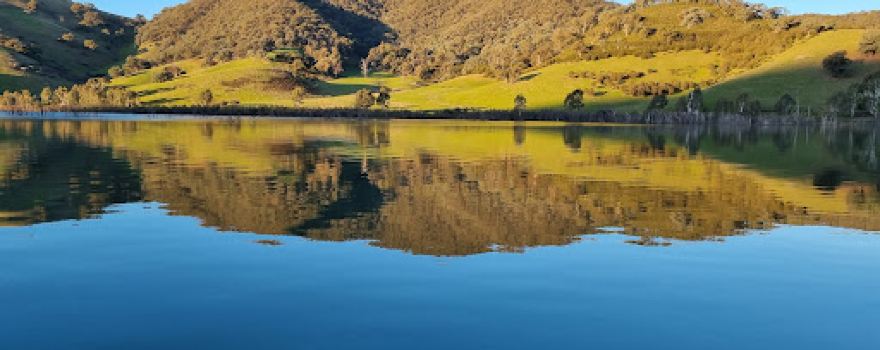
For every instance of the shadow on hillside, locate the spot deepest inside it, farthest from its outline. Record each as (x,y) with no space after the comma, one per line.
(162,102)
(366,31)
(529,76)
(151,92)
(811,85)
(335,89)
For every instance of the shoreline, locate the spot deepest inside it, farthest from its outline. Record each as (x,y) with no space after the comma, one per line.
(651,118)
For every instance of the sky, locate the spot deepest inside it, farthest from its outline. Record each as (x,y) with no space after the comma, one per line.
(151,7)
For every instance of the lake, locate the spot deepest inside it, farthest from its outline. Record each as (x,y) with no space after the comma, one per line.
(124,232)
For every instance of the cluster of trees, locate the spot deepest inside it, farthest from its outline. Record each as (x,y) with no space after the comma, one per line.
(730,27)
(861,99)
(205,29)
(168,73)
(15,44)
(500,38)
(94,93)
(88,15)
(623,81)
(658,88)
(608,78)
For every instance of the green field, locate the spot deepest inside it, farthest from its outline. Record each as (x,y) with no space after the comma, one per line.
(797,72)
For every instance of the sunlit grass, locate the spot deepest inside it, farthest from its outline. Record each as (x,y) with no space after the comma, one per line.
(797,71)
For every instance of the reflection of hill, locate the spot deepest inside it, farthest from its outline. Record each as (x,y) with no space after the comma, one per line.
(458,188)
(50,179)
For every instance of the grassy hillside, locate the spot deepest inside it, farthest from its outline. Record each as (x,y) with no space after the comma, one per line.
(797,71)
(48,60)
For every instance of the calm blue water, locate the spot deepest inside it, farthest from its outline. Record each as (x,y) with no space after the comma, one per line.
(107,264)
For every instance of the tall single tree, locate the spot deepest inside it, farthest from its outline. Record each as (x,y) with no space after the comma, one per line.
(520,103)
(695,101)
(365,68)
(206,98)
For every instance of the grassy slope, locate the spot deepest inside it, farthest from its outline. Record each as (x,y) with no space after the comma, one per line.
(61,63)
(240,80)
(797,71)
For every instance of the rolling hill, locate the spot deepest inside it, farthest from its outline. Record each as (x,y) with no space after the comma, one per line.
(58,43)
(482,54)
(797,71)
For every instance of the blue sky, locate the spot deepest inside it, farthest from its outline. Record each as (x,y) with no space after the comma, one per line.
(150,7)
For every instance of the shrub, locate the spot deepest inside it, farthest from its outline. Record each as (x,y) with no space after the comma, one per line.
(837,64)
(384,97)
(115,72)
(67,37)
(162,76)
(90,44)
(575,99)
(364,99)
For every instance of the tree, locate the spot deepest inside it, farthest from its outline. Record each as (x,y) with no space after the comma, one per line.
(695,101)
(365,68)
(520,103)
(30,7)
(837,64)
(384,97)
(91,19)
(47,96)
(694,17)
(90,44)
(364,99)
(134,65)
(206,97)
(298,94)
(115,72)
(72,98)
(67,37)
(871,97)
(77,8)
(575,100)
(742,101)
(786,105)
(870,43)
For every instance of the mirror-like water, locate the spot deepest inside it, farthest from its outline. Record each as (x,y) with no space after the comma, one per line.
(271,233)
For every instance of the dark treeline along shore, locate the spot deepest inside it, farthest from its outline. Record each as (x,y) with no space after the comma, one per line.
(653,117)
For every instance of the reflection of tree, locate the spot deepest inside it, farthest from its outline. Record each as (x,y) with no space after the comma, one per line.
(330,182)
(57,179)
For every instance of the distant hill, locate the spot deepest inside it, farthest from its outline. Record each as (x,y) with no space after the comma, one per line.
(458,53)
(482,53)
(58,43)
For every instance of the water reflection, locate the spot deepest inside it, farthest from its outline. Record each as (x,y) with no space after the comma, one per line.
(444,188)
